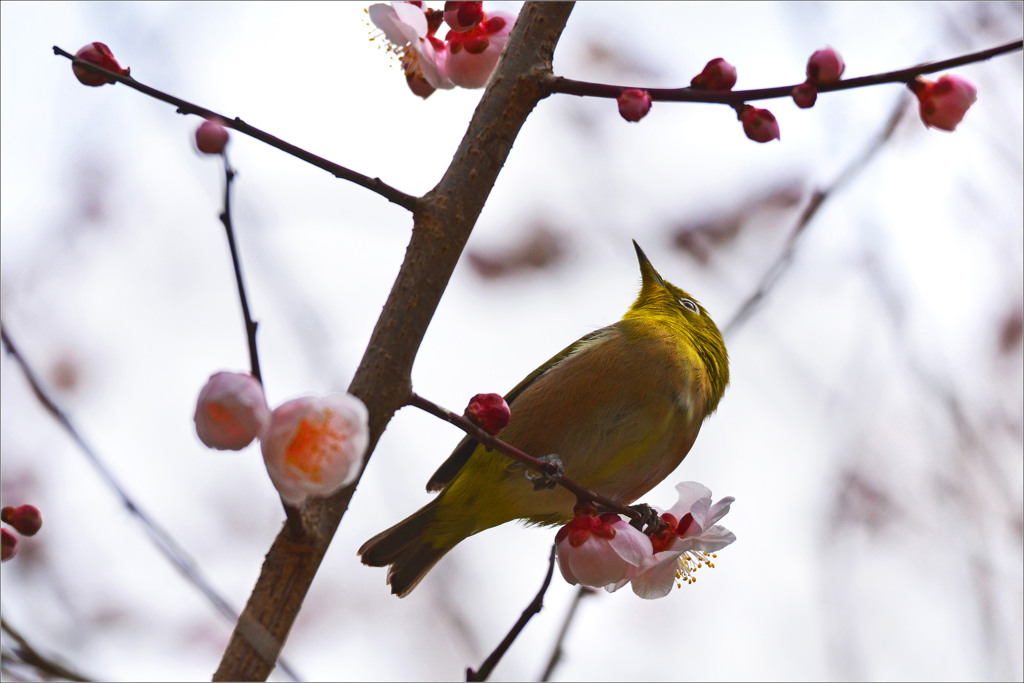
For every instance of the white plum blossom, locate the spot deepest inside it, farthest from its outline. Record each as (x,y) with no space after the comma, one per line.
(231,411)
(690,541)
(411,38)
(315,446)
(600,550)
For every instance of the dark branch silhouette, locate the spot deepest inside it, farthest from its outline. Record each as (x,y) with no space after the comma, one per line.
(375,184)
(535,606)
(558,84)
(556,651)
(26,655)
(254,632)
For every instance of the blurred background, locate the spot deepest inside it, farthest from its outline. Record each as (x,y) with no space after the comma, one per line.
(872,434)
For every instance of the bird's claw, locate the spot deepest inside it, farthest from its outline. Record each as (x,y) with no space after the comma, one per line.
(650,521)
(547,480)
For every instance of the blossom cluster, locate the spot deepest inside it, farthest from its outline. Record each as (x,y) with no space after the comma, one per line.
(312,446)
(603,551)
(465,57)
(25,519)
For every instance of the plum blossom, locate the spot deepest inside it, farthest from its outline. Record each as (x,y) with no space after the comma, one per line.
(634,104)
(944,102)
(600,550)
(8,545)
(690,541)
(805,95)
(409,33)
(231,411)
(472,55)
(463,16)
(825,66)
(100,55)
(490,412)
(718,74)
(26,519)
(315,446)
(759,124)
(211,137)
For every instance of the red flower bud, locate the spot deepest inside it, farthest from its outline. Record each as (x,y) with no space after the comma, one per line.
(211,137)
(634,104)
(25,519)
(8,545)
(100,55)
(825,66)
(759,124)
(419,85)
(463,16)
(718,74)
(944,102)
(805,95)
(489,412)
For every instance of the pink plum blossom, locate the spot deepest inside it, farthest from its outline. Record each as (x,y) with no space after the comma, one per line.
(211,137)
(718,74)
(825,66)
(805,95)
(472,55)
(600,550)
(315,446)
(690,540)
(634,104)
(100,55)
(759,124)
(410,35)
(231,411)
(944,102)
(8,544)
(490,412)
(26,519)
(463,16)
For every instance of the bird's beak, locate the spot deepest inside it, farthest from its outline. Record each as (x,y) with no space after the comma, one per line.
(647,272)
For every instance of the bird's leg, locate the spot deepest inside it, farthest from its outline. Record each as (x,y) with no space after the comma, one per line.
(649,521)
(549,479)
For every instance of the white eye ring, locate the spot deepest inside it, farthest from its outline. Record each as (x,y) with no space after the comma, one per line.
(689,305)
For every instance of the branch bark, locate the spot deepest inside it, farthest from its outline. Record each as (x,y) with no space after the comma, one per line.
(443,220)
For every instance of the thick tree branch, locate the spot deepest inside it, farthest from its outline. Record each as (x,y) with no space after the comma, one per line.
(443,220)
(557,84)
(375,184)
(535,606)
(581,493)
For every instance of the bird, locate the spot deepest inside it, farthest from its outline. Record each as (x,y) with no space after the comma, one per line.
(620,408)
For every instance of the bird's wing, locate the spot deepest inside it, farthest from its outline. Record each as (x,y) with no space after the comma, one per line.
(460,456)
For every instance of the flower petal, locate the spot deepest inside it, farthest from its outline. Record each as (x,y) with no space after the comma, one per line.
(715,538)
(689,493)
(595,564)
(631,545)
(699,510)
(412,16)
(563,564)
(718,510)
(656,577)
(385,18)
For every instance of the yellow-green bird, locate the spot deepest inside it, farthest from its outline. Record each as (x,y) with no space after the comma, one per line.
(621,408)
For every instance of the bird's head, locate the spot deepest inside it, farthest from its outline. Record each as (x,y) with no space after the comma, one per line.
(662,302)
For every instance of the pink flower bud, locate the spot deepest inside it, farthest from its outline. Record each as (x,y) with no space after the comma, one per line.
(634,104)
(599,551)
(489,412)
(463,16)
(211,137)
(944,102)
(231,411)
(100,55)
(759,124)
(718,74)
(472,55)
(825,66)
(26,519)
(805,95)
(8,545)
(315,446)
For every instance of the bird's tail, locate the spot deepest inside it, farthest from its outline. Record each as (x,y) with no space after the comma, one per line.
(404,548)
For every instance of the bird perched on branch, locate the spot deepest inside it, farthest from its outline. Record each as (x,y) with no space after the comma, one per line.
(620,407)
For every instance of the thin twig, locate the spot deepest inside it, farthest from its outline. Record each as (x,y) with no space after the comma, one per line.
(393,195)
(558,84)
(556,652)
(535,606)
(29,656)
(547,468)
(250,324)
(254,632)
(785,259)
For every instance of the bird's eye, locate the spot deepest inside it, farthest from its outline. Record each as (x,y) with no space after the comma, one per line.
(689,305)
